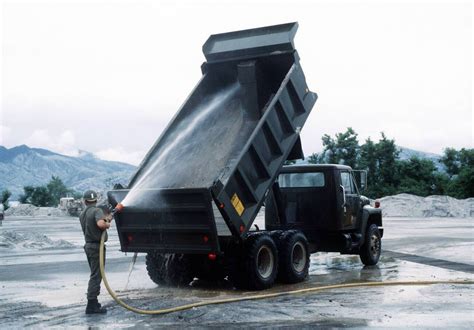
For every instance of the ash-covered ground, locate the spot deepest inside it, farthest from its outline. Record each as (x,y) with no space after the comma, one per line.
(44,273)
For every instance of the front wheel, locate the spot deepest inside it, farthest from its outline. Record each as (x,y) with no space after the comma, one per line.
(371,249)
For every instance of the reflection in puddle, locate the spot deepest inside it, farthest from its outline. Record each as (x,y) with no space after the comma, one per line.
(325,263)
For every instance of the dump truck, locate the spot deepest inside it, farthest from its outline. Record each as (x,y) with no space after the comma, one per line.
(192,203)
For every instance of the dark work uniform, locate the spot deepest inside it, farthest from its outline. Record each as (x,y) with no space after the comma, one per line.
(92,234)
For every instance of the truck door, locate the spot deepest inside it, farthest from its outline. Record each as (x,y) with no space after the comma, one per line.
(352,204)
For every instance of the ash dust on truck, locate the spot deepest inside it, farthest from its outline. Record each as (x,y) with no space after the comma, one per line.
(192,202)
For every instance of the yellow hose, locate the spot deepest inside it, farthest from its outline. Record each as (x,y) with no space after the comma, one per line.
(258,296)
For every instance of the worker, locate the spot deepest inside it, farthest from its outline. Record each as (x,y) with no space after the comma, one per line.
(94,220)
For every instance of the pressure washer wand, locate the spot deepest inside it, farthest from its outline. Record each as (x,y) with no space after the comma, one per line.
(116,209)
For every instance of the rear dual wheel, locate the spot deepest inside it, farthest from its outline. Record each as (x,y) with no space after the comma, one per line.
(263,260)
(294,257)
(257,267)
(156,267)
(170,269)
(254,268)
(180,270)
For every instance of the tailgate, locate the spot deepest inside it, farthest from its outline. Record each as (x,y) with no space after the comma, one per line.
(169,221)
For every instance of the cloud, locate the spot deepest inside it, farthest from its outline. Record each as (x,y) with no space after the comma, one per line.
(63,143)
(405,84)
(4,134)
(121,155)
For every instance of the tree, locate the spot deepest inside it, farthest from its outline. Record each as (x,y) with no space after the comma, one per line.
(41,197)
(347,147)
(38,196)
(388,175)
(5,195)
(450,160)
(26,196)
(460,166)
(314,158)
(343,149)
(387,155)
(417,176)
(329,154)
(48,195)
(368,161)
(380,161)
(57,189)
(441,183)
(463,185)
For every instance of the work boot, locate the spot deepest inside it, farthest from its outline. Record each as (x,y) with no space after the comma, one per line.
(93,307)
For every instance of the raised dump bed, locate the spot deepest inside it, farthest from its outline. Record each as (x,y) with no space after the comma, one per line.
(207,175)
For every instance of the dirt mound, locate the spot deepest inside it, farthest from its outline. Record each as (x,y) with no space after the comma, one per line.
(406,205)
(34,211)
(11,239)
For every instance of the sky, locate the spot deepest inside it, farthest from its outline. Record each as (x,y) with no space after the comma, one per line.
(107,76)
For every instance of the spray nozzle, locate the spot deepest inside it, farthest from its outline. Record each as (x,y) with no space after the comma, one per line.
(117,208)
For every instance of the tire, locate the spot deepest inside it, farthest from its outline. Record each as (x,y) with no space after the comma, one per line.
(156,267)
(180,270)
(294,257)
(258,265)
(371,249)
(275,235)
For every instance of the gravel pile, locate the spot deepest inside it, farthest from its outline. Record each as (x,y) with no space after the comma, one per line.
(23,210)
(406,205)
(11,239)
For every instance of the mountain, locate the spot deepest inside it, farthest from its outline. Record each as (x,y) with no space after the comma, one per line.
(21,166)
(407,153)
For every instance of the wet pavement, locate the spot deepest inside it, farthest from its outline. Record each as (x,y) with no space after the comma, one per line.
(45,287)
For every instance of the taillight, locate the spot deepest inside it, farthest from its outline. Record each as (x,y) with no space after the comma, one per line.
(377,204)
(205,239)
(212,256)
(129,238)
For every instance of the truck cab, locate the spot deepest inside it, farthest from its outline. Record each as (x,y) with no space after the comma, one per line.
(324,202)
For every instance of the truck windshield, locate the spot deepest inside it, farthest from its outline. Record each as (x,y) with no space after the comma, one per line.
(295,180)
